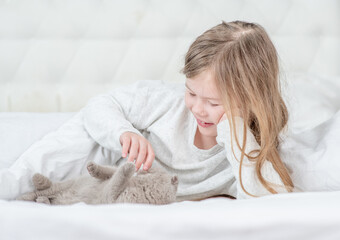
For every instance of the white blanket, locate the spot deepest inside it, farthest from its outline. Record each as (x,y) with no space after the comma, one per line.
(287,216)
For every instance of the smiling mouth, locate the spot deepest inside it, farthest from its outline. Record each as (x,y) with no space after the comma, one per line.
(204,124)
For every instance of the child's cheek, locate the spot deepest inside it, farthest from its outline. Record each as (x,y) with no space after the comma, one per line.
(188,103)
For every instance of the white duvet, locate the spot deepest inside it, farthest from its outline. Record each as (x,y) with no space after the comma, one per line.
(311,154)
(287,216)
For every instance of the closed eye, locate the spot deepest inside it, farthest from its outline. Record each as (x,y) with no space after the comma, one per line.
(191,94)
(214,105)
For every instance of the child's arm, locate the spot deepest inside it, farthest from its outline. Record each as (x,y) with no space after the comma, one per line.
(249,179)
(107,116)
(130,108)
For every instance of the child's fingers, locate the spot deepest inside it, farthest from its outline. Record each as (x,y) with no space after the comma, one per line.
(126,146)
(141,154)
(133,149)
(149,159)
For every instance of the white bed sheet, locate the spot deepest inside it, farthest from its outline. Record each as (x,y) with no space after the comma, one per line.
(288,216)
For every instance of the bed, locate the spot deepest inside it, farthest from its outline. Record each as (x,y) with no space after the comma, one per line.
(56,55)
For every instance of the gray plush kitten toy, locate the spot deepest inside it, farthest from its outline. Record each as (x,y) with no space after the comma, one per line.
(107,185)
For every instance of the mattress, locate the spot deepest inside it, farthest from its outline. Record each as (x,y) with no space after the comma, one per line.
(287,216)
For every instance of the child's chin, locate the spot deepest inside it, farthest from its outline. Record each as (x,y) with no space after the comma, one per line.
(208,132)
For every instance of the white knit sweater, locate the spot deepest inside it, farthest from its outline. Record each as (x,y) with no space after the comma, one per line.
(157,111)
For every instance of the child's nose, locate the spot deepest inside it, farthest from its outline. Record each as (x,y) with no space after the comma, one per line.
(198,109)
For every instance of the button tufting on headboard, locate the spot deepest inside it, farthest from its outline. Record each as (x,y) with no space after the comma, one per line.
(55,55)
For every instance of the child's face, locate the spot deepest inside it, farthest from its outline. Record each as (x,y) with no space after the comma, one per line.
(203,100)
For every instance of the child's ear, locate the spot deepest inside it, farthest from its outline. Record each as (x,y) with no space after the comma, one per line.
(174,180)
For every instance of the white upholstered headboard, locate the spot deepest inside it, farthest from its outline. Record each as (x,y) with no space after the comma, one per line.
(56,54)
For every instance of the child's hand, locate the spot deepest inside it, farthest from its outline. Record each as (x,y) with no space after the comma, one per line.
(138,148)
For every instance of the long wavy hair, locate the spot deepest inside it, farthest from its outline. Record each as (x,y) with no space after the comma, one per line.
(246,69)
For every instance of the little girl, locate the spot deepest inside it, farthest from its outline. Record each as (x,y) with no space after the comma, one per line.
(218,132)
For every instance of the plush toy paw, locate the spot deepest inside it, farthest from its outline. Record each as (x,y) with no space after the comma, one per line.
(43,199)
(92,168)
(41,182)
(27,197)
(128,169)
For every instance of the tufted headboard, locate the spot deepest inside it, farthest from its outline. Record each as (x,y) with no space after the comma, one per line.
(56,54)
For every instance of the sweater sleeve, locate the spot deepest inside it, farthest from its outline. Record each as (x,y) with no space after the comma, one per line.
(249,179)
(107,116)
(130,108)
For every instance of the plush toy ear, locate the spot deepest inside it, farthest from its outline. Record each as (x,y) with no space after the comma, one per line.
(174,180)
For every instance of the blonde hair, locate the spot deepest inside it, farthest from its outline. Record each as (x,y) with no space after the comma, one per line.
(246,69)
